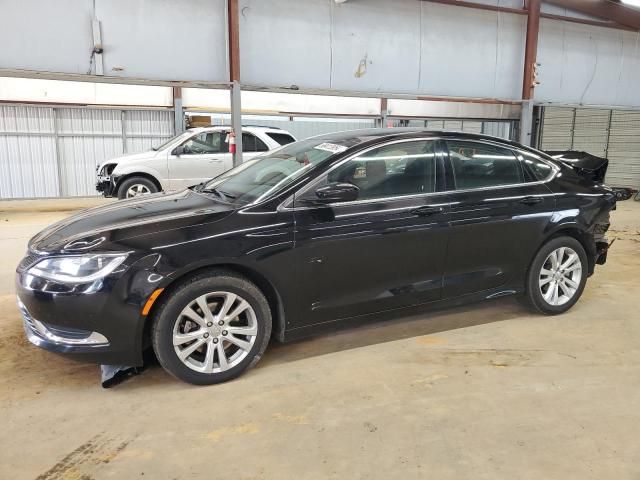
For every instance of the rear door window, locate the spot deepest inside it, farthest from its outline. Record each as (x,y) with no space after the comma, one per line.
(281,138)
(251,143)
(482,165)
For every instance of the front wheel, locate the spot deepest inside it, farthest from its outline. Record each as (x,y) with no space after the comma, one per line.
(135,187)
(557,276)
(211,328)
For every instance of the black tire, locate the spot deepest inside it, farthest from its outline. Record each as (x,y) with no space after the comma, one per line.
(533,297)
(133,181)
(168,312)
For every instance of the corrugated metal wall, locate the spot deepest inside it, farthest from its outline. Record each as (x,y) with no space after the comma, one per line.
(305,128)
(299,127)
(624,149)
(613,134)
(495,128)
(52,151)
(27,152)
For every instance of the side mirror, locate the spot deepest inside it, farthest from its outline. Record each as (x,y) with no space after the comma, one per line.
(337,192)
(179,150)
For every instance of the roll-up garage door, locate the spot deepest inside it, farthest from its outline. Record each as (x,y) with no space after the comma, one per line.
(590,131)
(624,149)
(614,134)
(557,128)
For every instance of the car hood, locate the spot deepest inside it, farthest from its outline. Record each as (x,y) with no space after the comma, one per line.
(96,227)
(131,158)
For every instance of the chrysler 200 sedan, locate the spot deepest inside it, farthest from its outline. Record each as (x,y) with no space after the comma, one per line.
(323,232)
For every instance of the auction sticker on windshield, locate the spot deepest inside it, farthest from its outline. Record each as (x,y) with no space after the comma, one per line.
(331,147)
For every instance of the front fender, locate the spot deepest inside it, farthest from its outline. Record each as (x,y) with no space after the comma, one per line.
(122,171)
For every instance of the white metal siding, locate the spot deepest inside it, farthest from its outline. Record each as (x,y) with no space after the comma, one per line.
(28,166)
(86,138)
(49,152)
(147,128)
(302,129)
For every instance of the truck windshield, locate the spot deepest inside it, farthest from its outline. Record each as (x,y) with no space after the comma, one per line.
(183,135)
(263,176)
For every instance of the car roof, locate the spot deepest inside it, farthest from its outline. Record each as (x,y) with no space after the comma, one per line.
(249,128)
(352,138)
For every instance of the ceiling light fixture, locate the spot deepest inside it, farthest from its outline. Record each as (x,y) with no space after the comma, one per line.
(633,3)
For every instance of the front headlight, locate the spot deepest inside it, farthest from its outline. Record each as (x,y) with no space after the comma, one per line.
(77,269)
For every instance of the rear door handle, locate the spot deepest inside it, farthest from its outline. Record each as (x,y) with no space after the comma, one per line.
(531,200)
(426,211)
(214,160)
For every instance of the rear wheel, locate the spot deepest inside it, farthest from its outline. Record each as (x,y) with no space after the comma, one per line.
(135,187)
(211,328)
(557,276)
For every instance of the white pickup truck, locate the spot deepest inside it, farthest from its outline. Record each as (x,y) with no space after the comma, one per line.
(187,159)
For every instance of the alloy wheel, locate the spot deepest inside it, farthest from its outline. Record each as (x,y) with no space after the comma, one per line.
(137,189)
(560,276)
(215,332)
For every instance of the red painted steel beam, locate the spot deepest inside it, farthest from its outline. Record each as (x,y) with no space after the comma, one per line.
(531,48)
(233,15)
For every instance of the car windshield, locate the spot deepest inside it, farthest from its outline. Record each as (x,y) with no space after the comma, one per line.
(182,136)
(263,176)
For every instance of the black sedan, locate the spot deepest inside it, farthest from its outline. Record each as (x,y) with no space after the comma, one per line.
(324,232)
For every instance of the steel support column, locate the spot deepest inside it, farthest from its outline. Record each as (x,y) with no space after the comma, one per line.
(384,112)
(526,122)
(234,75)
(236,120)
(178,111)
(531,49)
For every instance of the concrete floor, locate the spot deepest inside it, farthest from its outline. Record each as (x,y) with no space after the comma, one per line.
(487,391)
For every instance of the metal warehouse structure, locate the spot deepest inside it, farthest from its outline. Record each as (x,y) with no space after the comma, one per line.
(89,86)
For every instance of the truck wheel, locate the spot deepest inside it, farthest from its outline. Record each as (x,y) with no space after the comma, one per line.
(136,186)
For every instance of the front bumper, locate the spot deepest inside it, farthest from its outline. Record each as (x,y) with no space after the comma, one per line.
(55,338)
(102,326)
(106,185)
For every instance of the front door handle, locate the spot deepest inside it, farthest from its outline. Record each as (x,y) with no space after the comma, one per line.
(426,211)
(214,160)
(531,200)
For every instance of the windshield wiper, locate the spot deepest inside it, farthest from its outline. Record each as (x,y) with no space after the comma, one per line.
(220,193)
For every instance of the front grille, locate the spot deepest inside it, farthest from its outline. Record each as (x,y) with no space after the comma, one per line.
(28,261)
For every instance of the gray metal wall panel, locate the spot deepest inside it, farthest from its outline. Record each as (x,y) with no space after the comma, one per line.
(164,39)
(584,64)
(402,44)
(624,149)
(48,36)
(286,42)
(483,52)
(28,165)
(188,36)
(369,52)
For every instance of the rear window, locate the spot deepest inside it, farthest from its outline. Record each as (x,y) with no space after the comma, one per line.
(281,138)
